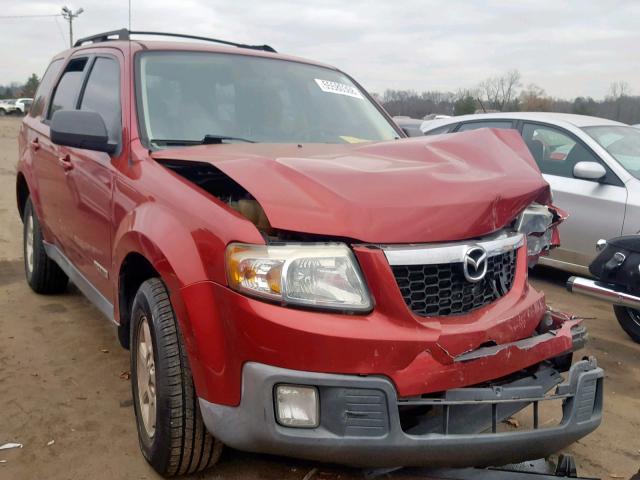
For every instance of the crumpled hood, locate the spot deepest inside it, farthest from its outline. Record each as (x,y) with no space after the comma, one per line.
(426,189)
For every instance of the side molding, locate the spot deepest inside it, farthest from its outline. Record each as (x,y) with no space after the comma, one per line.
(80,281)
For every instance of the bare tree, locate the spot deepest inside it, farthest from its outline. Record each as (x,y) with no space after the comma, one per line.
(619,89)
(534,99)
(499,92)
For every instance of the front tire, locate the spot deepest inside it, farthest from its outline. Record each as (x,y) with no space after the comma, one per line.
(172,435)
(629,320)
(43,274)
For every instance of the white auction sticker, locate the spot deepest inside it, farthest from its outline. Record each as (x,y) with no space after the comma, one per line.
(338,88)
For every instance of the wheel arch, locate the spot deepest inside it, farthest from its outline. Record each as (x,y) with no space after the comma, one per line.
(151,242)
(22,193)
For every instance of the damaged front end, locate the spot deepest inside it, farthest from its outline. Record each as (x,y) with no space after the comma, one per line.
(391,288)
(539,223)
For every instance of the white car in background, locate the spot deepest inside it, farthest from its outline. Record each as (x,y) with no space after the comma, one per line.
(23,105)
(7,107)
(592,165)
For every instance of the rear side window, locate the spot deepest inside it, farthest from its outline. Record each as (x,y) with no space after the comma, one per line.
(45,87)
(488,124)
(102,94)
(439,130)
(68,89)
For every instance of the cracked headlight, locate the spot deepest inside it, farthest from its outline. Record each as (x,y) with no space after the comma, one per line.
(535,222)
(312,275)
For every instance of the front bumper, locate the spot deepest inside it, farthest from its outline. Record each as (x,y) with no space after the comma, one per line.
(360,420)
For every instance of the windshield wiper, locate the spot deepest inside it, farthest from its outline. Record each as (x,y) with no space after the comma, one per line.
(174,143)
(215,139)
(207,140)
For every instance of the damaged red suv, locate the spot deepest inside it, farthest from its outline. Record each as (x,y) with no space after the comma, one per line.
(290,273)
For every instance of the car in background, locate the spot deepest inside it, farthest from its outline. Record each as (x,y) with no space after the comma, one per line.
(410,126)
(7,107)
(592,165)
(23,105)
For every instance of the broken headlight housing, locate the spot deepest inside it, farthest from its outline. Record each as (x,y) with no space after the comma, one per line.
(323,275)
(535,223)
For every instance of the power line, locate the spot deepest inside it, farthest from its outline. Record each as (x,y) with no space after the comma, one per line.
(64,40)
(30,16)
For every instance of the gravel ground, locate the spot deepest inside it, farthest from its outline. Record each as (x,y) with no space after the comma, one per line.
(63,380)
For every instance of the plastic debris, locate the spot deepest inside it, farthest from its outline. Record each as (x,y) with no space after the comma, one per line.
(51,442)
(7,446)
(310,475)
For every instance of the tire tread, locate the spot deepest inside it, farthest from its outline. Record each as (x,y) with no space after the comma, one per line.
(189,438)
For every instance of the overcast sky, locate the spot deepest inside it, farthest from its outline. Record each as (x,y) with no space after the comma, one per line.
(570,48)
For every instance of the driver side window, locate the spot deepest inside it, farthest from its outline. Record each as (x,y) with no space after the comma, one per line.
(555,151)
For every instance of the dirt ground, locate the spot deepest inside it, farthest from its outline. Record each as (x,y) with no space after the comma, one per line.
(61,381)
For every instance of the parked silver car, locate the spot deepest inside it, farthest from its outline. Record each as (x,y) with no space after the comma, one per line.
(592,165)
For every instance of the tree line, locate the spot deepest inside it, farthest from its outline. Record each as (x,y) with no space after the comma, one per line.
(20,90)
(495,94)
(506,92)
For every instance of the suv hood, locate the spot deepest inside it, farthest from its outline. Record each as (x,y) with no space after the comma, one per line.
(425,189)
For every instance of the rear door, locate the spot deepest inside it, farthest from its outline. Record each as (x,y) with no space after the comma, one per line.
(596,208)
(56,199)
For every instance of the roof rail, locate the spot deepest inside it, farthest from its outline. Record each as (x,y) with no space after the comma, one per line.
(124,34)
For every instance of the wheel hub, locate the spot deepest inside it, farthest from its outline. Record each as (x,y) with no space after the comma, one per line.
(146,376)
(29,243)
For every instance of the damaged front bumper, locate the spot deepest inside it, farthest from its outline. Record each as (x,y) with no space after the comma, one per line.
(363,422)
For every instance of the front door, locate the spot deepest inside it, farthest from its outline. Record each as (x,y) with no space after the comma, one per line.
(90,177)
(596,208)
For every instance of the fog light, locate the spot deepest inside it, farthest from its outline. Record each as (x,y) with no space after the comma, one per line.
(297,406)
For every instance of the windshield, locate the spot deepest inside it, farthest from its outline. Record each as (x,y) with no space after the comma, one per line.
(185,96)
(622,142)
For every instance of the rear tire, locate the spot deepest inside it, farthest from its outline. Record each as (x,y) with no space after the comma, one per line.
(629,320)
(43,274)
(171,432)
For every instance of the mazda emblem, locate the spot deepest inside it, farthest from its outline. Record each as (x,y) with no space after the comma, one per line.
(474,264)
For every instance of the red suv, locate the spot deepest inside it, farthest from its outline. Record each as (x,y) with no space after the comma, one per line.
(291,274)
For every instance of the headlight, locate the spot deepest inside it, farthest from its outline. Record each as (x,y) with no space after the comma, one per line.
(535,222)
(313,275)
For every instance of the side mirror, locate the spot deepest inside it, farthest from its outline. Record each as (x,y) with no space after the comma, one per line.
(589,171)
(81,129)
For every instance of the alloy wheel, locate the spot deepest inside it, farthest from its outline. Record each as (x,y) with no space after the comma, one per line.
(146,376)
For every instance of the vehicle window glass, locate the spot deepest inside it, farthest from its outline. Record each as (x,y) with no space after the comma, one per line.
(102,95)
(488,124)
(555,151)
(439,130)
(45,87)
(623,143)
(187,95)
(66,93)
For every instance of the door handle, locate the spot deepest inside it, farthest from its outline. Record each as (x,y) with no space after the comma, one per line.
(35,144)
(65,163)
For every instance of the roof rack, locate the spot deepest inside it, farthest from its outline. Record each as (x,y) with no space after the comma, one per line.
(124,34)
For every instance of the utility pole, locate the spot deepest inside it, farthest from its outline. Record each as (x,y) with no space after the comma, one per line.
(69,15)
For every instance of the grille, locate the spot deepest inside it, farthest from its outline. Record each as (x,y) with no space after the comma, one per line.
(441,289)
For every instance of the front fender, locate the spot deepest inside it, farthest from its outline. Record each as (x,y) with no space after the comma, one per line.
(183,256)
